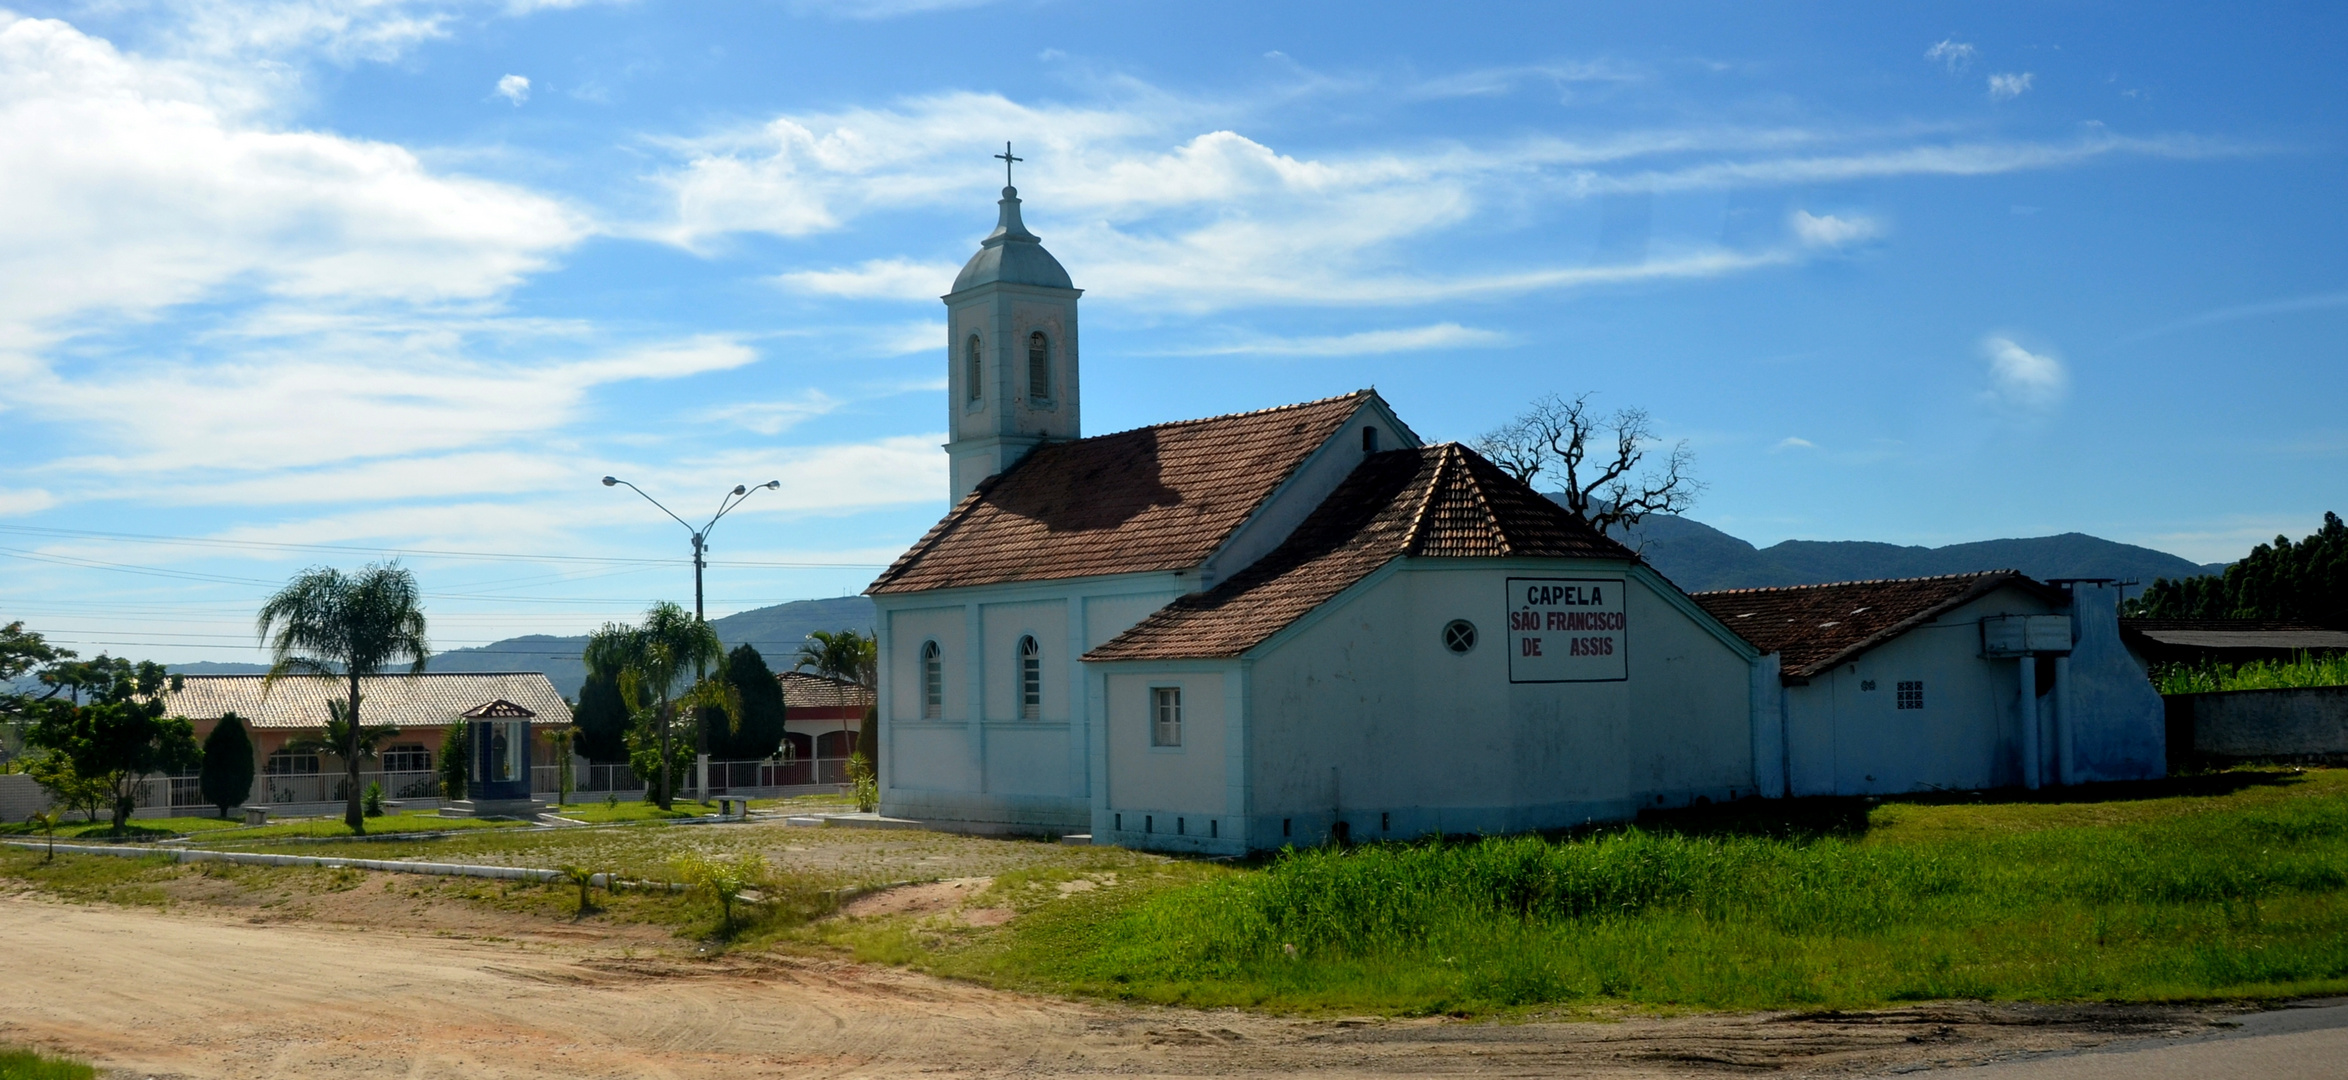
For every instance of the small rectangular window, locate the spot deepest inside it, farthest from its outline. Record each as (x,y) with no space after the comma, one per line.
(407,757)
(1911,694)
(1166,716)
(1031,680)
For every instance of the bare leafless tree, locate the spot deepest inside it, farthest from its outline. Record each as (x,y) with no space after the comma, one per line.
(1555,438)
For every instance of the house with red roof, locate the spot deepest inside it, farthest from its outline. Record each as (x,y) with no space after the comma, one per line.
(1306,623)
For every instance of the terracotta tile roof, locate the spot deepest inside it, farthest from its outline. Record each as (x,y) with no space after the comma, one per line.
(1438,501)
(802,690)
(427,700)
(1814,627)
(1154,498)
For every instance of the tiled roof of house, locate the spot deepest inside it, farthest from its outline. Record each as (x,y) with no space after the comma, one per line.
(802,690)
(1154,498)
(1440,501)
(1814,627)
(427,700)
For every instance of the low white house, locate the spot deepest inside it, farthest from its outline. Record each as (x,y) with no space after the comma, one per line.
(1958,682)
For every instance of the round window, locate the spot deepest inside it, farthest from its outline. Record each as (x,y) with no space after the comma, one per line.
(1459,635)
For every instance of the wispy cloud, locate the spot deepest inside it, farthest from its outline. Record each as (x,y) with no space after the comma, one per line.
(1830,231)
(2022,380)
(1794,442)
(2005,87)
(1952,54)
(2284,306)
(1493,82)
(774,417)
(1447,335)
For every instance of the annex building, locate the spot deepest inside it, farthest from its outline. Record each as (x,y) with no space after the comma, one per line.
(1304,623)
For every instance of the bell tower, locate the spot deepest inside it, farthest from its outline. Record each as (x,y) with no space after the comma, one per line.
(1010,349)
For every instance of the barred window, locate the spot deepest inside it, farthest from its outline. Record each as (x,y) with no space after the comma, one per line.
(1031,679)
(1166,721)
(1039,367)
(974,372)
(1911,695)
(285,762)
(933,681)
(407,757)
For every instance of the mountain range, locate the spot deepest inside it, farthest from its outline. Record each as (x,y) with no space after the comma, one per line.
(1692,554)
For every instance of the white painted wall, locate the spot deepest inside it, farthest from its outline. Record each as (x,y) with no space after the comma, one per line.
(1305,491)
(980,765)
(1850,740)
(1167,781)
(1359,714)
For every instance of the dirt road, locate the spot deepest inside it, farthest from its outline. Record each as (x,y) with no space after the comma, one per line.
(203,993)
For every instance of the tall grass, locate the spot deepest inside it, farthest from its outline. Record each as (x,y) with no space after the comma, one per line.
(2191,905)
(18,1064)
(2304,670)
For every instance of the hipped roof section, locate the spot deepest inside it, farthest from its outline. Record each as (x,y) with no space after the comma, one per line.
(1440,501)
(1158,498)
(1814,627)
(427,700)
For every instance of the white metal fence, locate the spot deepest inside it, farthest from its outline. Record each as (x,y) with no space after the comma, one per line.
(725,778)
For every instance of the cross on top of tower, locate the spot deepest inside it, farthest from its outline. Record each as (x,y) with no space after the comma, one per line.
(1007,159)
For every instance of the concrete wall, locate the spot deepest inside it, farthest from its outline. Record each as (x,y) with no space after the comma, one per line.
(1359,714)
(2114,715)
(2310,722)
(1847,735)
(1178,791)
(20,797)
(982,765)
(1845,738)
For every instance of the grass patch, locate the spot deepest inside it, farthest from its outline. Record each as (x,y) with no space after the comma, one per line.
(407,821)
(2227,886)
(21,1064)
(134,829)
(2302,671)
(633,810)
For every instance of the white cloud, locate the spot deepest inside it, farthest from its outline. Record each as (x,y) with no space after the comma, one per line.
(1493,82)
(1216,219)
(2022,380)
(25,501)
(1794,442)
(1829,231)
(1955,55)
(2008,86)
(129,185)
(1448,335)
(514,88)
(880,9)
(775,417)
(186,431)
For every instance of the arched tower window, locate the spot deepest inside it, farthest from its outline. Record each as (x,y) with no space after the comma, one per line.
(1031,679)
(973,371)
(933,681)
(1039,367)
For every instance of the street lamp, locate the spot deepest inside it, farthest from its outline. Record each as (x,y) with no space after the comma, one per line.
(725,505)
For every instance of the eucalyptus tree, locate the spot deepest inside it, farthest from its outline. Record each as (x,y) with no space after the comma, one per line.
(648,661)
(328,623)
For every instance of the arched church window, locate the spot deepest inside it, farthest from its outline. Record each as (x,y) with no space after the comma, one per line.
(933,681)
(1031,679)
(973,372)
(1039,367)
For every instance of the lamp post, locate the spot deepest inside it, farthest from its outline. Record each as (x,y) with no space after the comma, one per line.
(725,505)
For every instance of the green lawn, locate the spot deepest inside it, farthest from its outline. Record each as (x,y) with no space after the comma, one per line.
(2225,886)
(17,1064)
(633,810)
(136,829)
(408,821)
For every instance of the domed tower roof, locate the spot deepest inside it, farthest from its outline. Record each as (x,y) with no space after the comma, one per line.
(1011,255)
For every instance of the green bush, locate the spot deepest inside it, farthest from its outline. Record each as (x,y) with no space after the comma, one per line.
(371,800)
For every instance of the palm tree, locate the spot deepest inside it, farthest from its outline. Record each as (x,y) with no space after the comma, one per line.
(843,654)
(648,660)
(328,623)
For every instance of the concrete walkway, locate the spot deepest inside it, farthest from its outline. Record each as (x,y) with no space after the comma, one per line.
(2308,1041)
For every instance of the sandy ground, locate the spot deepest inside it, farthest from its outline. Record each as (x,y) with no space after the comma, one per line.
(206,991)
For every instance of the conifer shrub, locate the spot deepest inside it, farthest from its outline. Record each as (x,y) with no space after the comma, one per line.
(226,777)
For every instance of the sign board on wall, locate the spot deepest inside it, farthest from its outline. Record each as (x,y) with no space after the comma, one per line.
(1566,630)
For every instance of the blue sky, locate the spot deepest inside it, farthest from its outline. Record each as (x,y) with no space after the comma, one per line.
(303,281)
